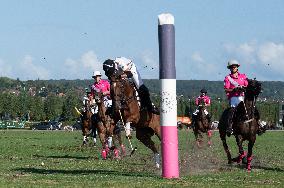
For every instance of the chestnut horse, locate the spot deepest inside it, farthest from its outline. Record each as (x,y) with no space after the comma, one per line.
(107,128)
(245,124)
(126,106)
(202,125)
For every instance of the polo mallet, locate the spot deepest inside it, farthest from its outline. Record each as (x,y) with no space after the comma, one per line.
(79,113)
(133,150)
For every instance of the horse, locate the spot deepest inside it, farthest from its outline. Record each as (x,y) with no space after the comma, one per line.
(88,122)
(245,124)
(107,128)
(126,108)
(202,125)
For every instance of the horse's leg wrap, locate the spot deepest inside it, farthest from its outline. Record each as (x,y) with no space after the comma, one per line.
(123,150)
(127,129)
(241,156)
(157,160)
(116,153)
(109,141)
(209,133)
(104,154)
(249,163)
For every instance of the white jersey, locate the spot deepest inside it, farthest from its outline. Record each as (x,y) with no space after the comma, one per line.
(123,64)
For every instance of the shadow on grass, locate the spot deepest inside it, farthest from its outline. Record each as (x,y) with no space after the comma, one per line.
(63,157)
(76,172)
(259,167)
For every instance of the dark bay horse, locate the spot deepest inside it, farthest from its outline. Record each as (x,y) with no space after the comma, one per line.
(126,106)
(107,128)
(88,122)
(202,125)
(245,124)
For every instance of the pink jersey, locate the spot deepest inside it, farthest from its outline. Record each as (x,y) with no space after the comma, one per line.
(231,82)
(102,86)
(203,99)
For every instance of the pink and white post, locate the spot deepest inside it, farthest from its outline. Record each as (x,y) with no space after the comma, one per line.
(168,110)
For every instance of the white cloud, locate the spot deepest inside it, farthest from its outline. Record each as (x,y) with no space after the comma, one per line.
(83,67)
(25,69)
(263,61)
(197,57)
(148,67)
(28,69)
(271,52)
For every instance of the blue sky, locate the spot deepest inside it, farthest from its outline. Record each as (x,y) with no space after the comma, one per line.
(68,39)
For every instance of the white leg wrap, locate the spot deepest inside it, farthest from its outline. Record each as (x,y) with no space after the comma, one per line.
(109,141)
(127,128)
(157,160)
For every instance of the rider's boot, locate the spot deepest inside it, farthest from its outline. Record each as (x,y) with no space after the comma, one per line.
(144,96)
(229,130)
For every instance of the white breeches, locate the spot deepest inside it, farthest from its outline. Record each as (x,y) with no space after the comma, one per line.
(136,76)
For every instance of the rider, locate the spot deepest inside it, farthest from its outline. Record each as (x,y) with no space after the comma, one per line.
(88,99)
(233,84)
(200,100)
(121,66)
(101,86)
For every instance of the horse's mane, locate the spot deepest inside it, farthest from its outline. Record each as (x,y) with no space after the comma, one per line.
(253,89)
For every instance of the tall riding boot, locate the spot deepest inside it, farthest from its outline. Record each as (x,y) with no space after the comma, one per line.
(144,95)
(229,130)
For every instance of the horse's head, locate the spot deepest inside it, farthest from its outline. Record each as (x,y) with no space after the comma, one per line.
(98,96)
(253,89)
(122,90)
(201,113)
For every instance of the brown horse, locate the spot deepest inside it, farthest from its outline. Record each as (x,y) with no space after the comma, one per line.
(88,122)
(202,125)
(126,106)
(245,124)
(107,128)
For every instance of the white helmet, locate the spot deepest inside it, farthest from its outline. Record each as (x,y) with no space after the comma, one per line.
(233,62)
(96,73)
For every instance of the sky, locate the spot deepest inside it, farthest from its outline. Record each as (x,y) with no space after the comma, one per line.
(69,39)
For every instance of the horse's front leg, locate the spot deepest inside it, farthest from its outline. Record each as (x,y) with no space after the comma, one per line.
(144,136)
(249,156)
(209,135)
(102,134)
(225,145)
(242,153)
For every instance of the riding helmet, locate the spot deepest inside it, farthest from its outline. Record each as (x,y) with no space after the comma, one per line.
(233,62)
(203,91)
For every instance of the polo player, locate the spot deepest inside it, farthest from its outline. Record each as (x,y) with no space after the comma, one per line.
(233,84)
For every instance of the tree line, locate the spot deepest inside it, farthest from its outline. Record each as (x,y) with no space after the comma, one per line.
(17,101)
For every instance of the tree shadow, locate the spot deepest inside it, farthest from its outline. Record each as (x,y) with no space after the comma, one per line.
(76,172)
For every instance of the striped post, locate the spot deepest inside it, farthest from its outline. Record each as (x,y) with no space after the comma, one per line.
(166,32)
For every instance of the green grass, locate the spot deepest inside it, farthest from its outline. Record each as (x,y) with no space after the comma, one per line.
(56,159)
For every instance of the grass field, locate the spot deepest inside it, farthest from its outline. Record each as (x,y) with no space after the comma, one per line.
(56,159)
